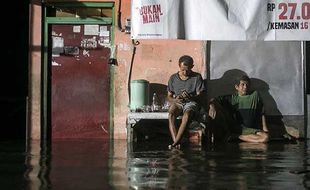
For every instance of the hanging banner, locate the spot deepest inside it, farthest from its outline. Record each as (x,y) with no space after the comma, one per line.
(221,19)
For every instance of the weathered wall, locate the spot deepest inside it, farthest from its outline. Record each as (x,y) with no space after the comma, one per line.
(34,109)
(155,61)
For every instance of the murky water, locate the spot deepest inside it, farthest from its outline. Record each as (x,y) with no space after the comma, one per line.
(150,165)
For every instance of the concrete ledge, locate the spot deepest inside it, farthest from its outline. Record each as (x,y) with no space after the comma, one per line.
(134,117)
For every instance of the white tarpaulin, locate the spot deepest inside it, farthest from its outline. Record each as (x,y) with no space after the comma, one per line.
(221,19)
(275,69)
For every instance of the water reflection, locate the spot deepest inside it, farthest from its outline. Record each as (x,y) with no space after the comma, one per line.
(33,175)
(68,164)
(150,165)
(223,166)
(12,165)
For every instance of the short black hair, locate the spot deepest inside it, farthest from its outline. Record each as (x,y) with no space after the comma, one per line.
(242,78)
(186,60)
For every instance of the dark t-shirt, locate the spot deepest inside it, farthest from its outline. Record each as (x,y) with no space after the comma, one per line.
(192,85)
(246,110)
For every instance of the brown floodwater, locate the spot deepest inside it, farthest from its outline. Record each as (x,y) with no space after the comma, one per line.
(99,164)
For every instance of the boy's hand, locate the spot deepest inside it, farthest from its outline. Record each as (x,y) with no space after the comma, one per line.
(212,111)
(179,99)
(183,97)
(186,95)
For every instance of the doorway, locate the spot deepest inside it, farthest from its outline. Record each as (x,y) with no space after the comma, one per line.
(77,74)
(79,81)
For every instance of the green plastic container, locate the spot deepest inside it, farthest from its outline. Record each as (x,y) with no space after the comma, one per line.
(139,94)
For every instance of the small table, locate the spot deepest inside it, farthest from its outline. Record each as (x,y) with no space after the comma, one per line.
(135,117)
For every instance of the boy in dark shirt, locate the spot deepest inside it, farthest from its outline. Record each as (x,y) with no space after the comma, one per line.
(248,120)
(184,91)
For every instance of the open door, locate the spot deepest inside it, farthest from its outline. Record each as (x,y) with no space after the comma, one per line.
(79,80)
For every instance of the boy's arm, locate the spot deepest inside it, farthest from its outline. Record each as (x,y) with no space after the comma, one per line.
(212,110)
(197,98)
(170,97)
(262,110)
(223,101)
(173,99)
(264,123)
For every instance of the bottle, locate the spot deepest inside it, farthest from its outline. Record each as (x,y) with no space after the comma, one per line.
(154,102)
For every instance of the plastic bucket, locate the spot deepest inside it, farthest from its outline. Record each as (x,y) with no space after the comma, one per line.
(139,94)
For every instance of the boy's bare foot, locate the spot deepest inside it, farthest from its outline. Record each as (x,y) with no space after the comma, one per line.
(171,146)
(178,146)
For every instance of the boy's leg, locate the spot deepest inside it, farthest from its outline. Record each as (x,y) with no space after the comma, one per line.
(263,138)
(254,135)
(174,112)
(189,109)
(182,127)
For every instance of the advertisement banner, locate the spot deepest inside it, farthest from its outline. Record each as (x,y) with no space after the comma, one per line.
(221,19)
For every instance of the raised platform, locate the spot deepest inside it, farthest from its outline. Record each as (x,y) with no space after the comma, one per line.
(135,117)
